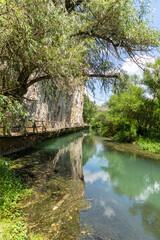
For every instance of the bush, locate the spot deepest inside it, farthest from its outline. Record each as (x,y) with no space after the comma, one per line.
(128,134)
(149,144)
(98,120)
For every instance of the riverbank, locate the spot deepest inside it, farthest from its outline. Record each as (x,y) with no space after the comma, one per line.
(132,148)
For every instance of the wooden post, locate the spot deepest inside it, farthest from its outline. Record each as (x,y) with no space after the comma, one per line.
(43,127)
(34,127)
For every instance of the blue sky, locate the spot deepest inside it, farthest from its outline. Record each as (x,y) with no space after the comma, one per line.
(101,97)
(155,4)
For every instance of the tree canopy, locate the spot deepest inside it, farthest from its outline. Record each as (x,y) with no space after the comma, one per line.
(64,43)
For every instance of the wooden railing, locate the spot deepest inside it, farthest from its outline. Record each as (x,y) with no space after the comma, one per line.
(21,127)
(33,126)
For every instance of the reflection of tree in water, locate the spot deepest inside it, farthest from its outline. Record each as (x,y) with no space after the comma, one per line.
(140,180)
(88,148)
(150,217)
(53,209)
(54,144)
(131,175)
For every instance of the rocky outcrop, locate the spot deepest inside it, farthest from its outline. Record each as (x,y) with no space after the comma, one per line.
(56,109)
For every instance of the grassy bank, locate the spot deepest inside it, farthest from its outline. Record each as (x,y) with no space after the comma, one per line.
(132,148)
(12,224)
(11,191)
(149,144)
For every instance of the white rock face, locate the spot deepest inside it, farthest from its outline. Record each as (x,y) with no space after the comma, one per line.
(62,109)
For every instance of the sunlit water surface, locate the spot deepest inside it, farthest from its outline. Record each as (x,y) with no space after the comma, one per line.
(84,190)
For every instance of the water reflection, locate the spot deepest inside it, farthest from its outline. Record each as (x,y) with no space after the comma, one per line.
(88,148)
(56,178)
(150,217)
(126,192)
(123,190)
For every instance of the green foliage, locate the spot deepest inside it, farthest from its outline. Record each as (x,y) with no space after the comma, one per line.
(89,110)
(11,110)
(128,133)
(98,120)
(130,115)
(123,118)
(39,41)
(150,144)
(11,190)
(152,79)
(62,43)
(13,229)
(39,45)
(118,128)
(12,224)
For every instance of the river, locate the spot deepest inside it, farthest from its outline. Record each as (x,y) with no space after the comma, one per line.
(82,189)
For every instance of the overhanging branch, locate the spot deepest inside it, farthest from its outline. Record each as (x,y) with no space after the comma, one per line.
(101,75)
(46,77)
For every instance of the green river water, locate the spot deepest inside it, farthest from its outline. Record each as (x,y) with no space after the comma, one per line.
(82,189)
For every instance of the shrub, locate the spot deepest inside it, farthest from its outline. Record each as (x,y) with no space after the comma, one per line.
(149,144)
(127,134)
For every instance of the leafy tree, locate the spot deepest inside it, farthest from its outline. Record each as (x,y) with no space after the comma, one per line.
(152,79)
(36,45)
(131,114)
(89,109)
(99,119)
(64,43)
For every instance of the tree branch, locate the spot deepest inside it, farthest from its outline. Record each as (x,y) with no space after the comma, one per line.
(37,80)
(101,75)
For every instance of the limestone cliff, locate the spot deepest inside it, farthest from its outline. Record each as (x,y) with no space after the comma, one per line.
(62,108)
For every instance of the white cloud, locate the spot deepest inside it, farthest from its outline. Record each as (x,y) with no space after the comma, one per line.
(92,177)
(108,211)
(151,189)
(132,68)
